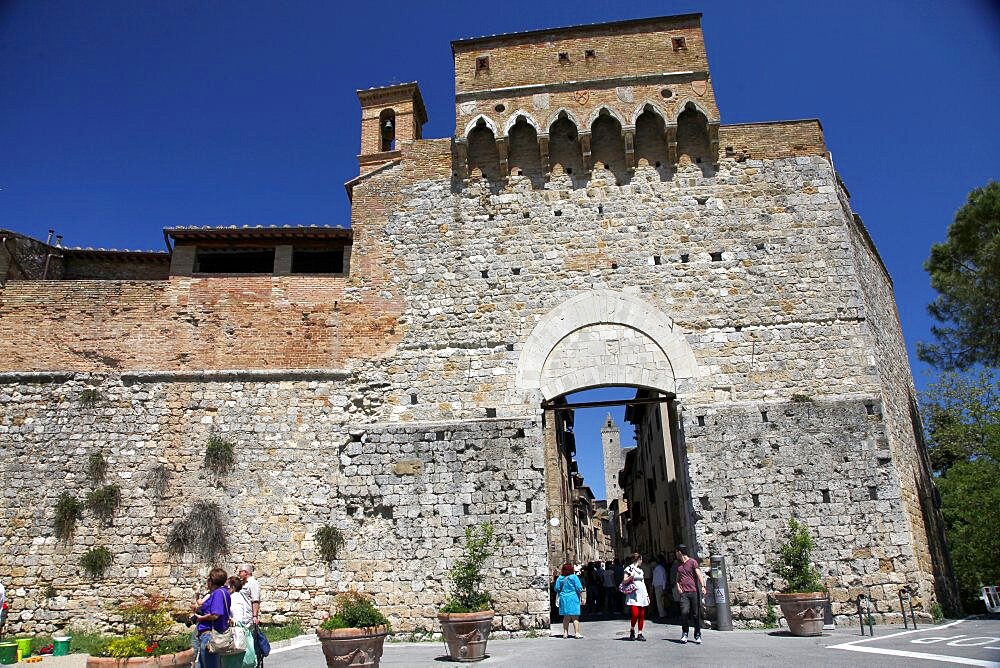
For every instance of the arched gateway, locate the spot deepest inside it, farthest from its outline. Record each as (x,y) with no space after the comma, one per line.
(604,338)
(600,338)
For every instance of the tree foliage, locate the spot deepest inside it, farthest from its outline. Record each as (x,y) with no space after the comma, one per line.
(467,574)
(965,271)
(794,564)
(962,420)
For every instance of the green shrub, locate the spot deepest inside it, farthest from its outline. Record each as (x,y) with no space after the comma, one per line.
(129,646)
(201,532)
(96,561)
(89,397)
(157,480)
(794,562)
(97,468)
(354,611)
(279,632)
(329,540)
(68,511)
(937,612)
(50,591)
(802,398)
(467,574)
(84,642)
(771,620)
(219,457)
(104,501)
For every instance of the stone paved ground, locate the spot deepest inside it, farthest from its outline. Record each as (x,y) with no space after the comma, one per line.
(606,645)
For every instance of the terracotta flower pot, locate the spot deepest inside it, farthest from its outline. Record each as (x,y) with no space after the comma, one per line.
(178,660)
(803,612)
(352,647)
(466,633)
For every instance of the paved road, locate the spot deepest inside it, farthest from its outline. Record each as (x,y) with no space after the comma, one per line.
(970,642)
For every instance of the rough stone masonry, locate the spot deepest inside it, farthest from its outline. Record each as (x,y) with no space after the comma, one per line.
(592,222)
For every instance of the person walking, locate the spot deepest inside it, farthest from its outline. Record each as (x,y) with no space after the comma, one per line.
(637,598)
(660,586)
(690,587)
(251,589)
(212,615)
(609,587)
(568,589)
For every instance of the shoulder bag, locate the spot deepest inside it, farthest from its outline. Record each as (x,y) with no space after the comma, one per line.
(224,643)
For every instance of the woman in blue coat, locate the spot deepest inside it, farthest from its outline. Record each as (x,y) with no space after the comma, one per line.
(568,589)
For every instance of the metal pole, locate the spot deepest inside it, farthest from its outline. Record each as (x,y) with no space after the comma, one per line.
(913,617)
(861,617)
(902,608)
(724,616)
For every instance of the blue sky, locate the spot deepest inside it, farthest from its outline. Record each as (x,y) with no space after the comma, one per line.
(118,118)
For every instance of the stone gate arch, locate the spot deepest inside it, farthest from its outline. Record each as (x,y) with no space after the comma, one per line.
(600,338)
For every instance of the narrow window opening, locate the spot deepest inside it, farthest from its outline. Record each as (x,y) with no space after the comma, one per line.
(826,496)
(317,261)
(701,420)
(679,43)
(491,217)
(387,130)
(516,271)
(519,433)
(870,408)
(485,273)
(526,215)
(491,412)
(356,438)
(558,212)
(756,500)
(527,506)
(467,508)
(563,57)
(589,54)
(413,399)
(236,261)
(439,435)
(482,64)
(717,257)
(656,259)
(600,208)
(759,246)
(684,258)
(510,347)
(763,416)
(705,503)
(873,493)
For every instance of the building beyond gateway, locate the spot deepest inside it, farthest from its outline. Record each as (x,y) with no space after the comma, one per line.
(591,223)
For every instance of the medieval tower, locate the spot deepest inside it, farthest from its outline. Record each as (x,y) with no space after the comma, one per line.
(591,222)
(611,447)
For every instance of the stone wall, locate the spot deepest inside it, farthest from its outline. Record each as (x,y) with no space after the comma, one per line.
(824,462)
(308,455)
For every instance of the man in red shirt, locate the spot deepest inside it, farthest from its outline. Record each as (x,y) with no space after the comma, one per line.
(691,587)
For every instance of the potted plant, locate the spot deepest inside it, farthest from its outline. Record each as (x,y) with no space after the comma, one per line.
(466,619)
(803,599)
(148,642)
(355,633)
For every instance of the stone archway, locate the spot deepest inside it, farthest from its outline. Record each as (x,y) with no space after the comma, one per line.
(600,338)
(603,338)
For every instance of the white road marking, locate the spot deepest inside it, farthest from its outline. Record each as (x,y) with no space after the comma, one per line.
(854,646)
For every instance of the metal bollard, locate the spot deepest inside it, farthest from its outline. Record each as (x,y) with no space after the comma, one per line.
(724,616)
(906,596)
(864,610)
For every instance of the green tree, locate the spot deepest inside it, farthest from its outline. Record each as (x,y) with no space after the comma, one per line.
(962,420)
(965,271)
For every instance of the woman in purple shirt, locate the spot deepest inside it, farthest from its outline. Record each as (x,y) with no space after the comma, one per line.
(212,614)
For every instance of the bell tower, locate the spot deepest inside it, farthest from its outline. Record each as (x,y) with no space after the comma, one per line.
(389,115)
